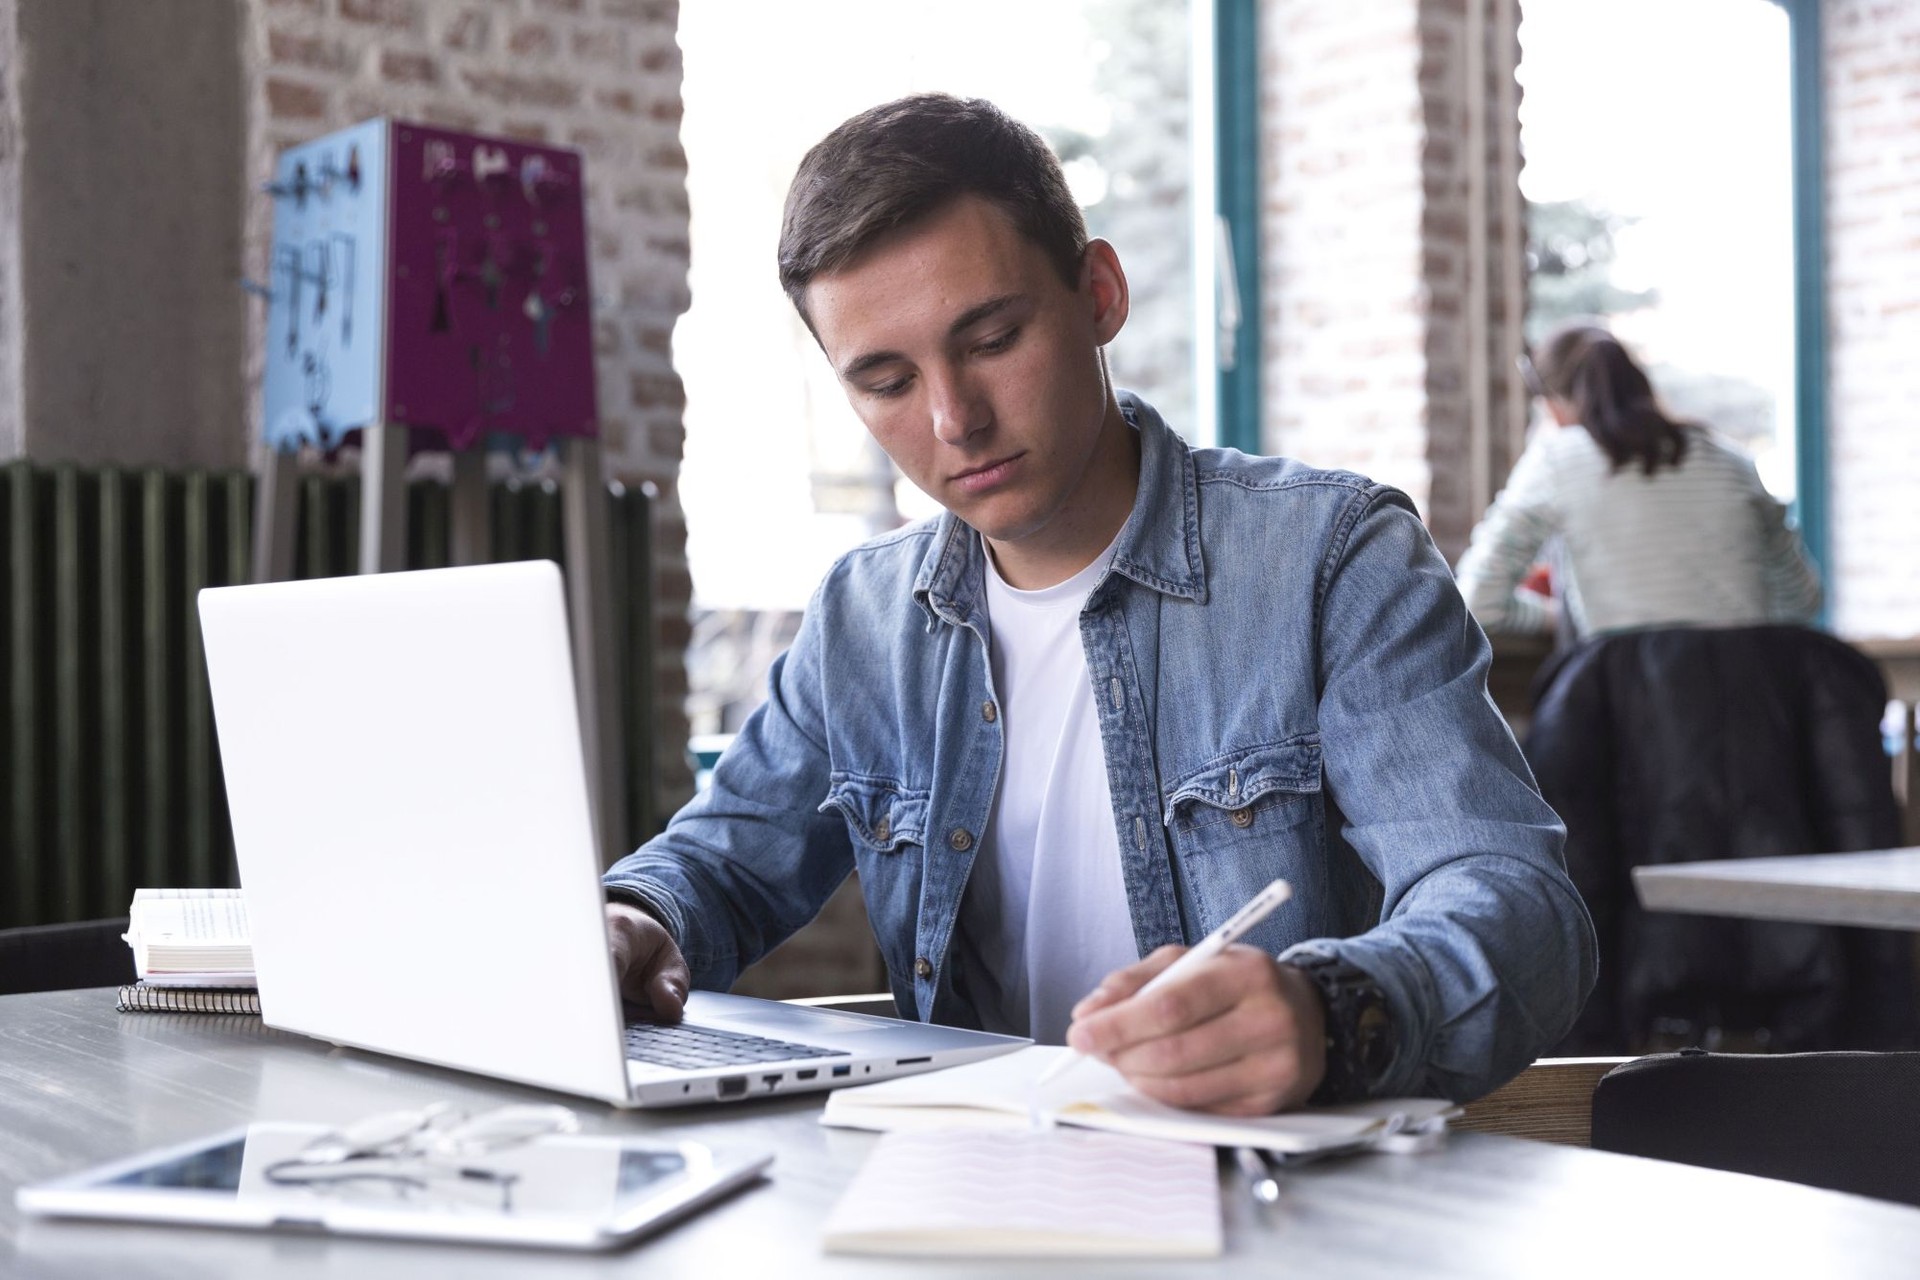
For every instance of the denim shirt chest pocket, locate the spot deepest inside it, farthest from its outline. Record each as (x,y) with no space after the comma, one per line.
(882,815)
(1239,821)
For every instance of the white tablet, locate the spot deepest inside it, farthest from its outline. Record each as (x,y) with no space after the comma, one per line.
(563,1192)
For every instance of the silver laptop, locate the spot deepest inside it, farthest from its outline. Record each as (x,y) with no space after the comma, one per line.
(403,763)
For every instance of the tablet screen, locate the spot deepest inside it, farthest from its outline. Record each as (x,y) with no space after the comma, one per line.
(556,1190)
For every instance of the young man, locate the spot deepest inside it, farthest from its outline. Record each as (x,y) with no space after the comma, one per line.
(1086,714)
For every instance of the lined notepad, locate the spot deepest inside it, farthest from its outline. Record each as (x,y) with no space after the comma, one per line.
(1059,1193)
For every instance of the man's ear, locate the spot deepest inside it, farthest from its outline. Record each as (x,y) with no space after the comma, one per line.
(1102,280)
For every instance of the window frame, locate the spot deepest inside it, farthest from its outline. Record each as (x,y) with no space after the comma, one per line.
(1236,80)
(1810,502)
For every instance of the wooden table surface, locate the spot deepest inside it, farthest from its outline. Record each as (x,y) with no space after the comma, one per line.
(1879,889)
(81,1084)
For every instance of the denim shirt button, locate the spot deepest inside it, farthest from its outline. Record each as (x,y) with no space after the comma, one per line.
(961,839)
(989,712)
(1242,818)
(881,831)
(922,967)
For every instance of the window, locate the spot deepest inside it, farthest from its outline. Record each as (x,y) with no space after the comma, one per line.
(1659,143)
(771,444)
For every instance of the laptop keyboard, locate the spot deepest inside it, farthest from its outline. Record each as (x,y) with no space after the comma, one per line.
(690,1047)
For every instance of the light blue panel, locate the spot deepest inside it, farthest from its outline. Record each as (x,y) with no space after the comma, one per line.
(328,278)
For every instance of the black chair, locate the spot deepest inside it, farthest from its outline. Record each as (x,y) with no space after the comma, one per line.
(1845,1121)
(58,957)
(1682,745)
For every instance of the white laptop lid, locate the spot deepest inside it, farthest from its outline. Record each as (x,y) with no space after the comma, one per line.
(403,764)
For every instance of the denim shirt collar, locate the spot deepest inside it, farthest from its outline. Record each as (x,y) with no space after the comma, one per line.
(1159,545)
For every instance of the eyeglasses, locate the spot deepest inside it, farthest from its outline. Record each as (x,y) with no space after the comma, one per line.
(1529,375)
(409,1151)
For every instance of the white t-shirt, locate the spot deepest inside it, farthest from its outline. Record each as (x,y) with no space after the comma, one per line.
(1045,913)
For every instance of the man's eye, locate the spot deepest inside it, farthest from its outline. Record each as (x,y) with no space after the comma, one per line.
(1000,343)
(889,389)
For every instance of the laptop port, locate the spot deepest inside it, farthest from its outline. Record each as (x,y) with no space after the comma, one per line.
(733,1086)
(770,1080)
(910,1062)
(843,1071)
(807,1073)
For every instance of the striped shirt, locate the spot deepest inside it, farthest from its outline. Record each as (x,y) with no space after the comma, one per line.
(1700,544)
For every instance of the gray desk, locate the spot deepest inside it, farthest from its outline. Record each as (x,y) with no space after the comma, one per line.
(1879,889)
(80,1084)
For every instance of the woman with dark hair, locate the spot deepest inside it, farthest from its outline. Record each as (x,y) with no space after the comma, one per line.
(1661,522)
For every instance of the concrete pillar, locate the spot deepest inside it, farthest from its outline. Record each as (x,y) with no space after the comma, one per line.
(10,390)
(121,189)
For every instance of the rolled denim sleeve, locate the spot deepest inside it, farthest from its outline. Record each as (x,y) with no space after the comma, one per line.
(1483,947)
(751,859)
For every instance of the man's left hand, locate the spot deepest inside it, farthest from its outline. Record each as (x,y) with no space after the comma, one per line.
(1243,1035)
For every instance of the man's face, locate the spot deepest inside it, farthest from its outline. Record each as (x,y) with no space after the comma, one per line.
(979,372)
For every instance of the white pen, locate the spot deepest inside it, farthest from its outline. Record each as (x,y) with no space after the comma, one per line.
(1261,1182)
(1257,909)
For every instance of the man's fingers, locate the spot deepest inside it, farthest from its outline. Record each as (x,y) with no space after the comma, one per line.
(658,980)
(653,974)
(1122,983)
(1238,1032)
(1236,1036)
(1205,994)
(667,995)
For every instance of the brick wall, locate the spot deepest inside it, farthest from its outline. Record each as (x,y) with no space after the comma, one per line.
(1872,66)
(1343,324)
(602,76)
(1370,232)
(1473,258)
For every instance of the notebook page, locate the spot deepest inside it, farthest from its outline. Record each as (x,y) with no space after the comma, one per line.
(1062,1193)
(997,1092)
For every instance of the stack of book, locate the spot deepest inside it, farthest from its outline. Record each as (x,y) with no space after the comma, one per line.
(191,951)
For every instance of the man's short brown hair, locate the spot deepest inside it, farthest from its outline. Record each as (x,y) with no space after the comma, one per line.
(902,161)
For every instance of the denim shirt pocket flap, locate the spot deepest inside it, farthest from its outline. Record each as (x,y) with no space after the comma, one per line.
(1240,786)
(882,814)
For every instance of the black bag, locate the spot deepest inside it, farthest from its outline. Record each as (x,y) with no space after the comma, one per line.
(1845,1121)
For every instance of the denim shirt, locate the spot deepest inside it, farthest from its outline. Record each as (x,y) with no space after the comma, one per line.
(1289,684)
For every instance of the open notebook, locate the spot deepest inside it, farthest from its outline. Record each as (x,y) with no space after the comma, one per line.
(1060,1193)
(1000,1093)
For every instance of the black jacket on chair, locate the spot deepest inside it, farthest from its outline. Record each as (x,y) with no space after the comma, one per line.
(1684,745)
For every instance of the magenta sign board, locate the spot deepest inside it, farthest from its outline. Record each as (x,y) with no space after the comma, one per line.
(489,328)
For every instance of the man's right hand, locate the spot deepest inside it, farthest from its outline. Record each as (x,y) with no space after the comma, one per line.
(653,974)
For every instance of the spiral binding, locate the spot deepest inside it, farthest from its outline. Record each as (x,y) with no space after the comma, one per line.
(141,998)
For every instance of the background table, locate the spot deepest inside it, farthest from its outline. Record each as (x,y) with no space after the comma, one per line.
(80,1084)
(1879,889)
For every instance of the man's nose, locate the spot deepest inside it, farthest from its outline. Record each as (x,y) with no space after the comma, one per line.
(958,408)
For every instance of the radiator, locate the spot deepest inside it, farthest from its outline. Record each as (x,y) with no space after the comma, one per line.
(109,771)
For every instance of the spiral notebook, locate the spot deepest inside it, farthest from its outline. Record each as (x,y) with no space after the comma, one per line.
(1030,1194)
